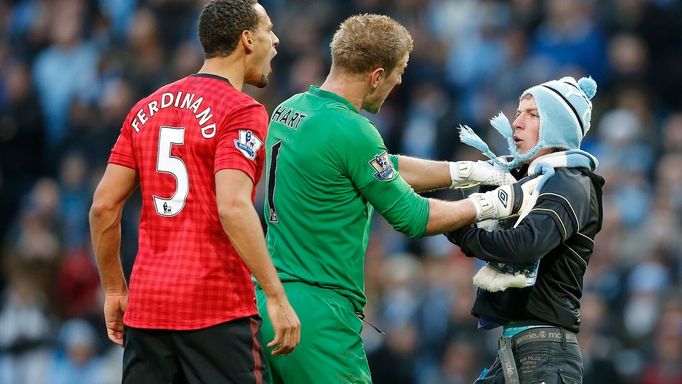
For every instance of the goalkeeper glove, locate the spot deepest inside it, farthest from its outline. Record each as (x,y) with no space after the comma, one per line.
(505,200)
(501,202)
(469,173)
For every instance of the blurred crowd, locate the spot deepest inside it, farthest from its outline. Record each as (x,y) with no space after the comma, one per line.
(71,69)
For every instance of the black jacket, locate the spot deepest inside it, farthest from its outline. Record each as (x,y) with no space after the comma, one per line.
(559,232)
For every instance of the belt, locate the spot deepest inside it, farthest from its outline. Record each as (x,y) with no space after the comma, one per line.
(524,335)
(544,334)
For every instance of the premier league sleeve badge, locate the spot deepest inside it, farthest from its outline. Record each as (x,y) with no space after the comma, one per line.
(248,143)
(383,167)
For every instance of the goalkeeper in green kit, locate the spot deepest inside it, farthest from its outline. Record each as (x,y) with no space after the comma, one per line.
(327,170)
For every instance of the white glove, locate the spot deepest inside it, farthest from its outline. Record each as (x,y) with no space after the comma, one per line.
(469,173)
(499,203)
(506,200)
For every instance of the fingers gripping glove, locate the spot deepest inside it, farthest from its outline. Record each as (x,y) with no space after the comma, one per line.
(469,173)
(499,203)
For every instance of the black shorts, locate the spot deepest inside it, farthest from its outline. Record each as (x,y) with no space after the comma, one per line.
(230,352)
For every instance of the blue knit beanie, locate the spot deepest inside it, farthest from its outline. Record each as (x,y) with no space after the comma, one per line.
(565,112)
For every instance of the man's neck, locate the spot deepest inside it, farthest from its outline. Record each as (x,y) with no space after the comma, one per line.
(351,87)
(230,67)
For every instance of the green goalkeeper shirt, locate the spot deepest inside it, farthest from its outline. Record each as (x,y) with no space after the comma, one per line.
(327,168)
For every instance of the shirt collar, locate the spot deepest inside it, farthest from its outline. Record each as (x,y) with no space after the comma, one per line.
(315,90)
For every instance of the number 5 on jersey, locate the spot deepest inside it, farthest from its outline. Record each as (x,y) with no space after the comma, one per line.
(166,163)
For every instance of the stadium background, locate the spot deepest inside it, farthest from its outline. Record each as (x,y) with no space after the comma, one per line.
(71,69)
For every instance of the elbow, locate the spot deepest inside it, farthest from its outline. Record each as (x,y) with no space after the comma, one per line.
(232,209)
(100,210)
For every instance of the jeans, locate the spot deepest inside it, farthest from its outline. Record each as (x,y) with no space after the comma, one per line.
(548,362)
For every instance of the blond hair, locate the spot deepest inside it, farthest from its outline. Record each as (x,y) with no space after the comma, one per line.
(366,42)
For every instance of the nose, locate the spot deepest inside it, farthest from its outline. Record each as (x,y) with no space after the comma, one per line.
(275,40)
(517,124)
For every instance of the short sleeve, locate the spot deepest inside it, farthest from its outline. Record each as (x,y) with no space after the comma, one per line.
(123,153)
(241,139)
(370,167)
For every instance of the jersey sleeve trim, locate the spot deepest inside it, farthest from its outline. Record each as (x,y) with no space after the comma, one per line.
(117,161)
(557,219)
(568,203)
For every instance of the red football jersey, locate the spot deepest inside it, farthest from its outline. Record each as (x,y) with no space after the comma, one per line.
(187,274)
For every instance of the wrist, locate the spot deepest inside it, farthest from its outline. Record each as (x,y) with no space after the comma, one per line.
(460,171)
(116,293)
(274,292)
(484,207)
(118,288)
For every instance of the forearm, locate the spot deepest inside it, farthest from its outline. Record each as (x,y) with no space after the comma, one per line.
(105,227)
(525,244)
(445,216)
(240,222)
(424,175)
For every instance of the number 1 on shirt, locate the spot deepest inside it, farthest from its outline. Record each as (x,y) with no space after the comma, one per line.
(272,181)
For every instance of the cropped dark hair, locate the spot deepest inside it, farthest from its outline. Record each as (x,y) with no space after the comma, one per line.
(221,24)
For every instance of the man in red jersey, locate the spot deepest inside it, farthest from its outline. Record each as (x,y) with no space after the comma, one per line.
(195,149)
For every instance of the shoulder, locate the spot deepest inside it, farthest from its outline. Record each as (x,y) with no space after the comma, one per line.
(219,92)
(355,126)
(571,183)
(233,100)
(344,122)
(571,189)
(243,106)
(335,112)
(244,100)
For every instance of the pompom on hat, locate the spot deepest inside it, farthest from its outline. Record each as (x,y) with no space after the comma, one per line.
(565,110)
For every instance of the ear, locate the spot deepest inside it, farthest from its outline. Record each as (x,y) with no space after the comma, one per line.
(247,41)
(375,77)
